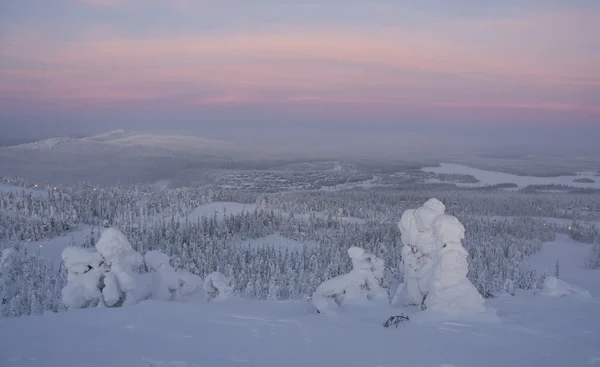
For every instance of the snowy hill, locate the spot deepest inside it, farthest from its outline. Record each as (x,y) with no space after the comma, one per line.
(122,140)
(117,156)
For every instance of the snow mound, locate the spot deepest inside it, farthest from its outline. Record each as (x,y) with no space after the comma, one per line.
(361,285)
(555,287)
(217,287)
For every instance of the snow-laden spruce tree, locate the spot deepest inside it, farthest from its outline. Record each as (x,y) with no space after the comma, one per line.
(435,262)
(361,284)
(104,277)
(169,284)
(419,246)
(449,290)
(217,287)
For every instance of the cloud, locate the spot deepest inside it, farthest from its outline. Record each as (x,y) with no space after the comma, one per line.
(516,63)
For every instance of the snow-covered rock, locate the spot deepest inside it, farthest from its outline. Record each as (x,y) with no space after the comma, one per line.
(362,284)
(217,287)
(555,287)
(435,262)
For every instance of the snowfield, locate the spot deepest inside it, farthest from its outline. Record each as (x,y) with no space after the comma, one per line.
(534,332)
(488,178)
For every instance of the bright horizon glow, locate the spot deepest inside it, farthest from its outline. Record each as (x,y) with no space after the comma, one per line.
(398,61)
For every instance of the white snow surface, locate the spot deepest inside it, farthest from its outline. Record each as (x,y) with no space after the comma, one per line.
(533,332)
(51,250)
(571,256)
(488,178)
(219,208)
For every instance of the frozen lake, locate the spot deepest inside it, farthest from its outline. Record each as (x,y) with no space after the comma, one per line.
(488,178)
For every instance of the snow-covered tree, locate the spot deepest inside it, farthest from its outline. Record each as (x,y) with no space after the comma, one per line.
(217,287)
(169,284)
(362,283)
(103,277)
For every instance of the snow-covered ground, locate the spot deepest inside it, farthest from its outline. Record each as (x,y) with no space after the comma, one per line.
(487,178)
(274,240)
(571,256)
(533,332)
(6,188)
(220,208)
(51,250)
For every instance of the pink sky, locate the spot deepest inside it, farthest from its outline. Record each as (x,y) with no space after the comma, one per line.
(547,60)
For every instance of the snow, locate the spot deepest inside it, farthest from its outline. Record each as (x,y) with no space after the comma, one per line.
(555,287)
(116,250)
(217,287)
(534,332)
(78,260)
(435,263)
(6,188)
(571,256)
(168,284)
(275,240)
(218,207)
(488,178)
(51,250)
(360,286)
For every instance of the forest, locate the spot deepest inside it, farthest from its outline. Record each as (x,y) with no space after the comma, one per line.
(502,228)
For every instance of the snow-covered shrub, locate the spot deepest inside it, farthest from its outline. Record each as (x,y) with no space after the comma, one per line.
(362,284)
(102,278)
(555,287)
(217,287)
(168,284)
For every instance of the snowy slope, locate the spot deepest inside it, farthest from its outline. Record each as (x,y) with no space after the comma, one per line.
(267,333)
(51,250)
(571,257)
(122,140)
